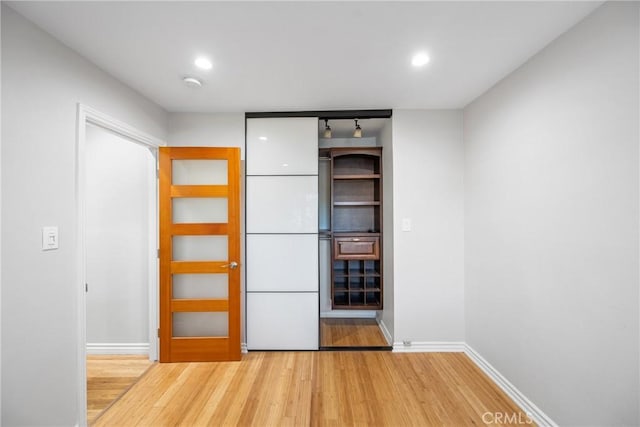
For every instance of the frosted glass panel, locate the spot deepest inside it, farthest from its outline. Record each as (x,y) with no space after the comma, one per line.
(282,320)
(282,262)
(199,172)
(200,286)
(282,146)
(199,210)
(282,204)
(200,248)
(204,324)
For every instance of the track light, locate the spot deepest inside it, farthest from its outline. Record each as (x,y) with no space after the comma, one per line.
(327,129)
(357,133)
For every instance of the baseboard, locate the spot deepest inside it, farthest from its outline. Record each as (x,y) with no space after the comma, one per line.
(118,348)
(243,348)
(385,331)
(348,314)
(429,347)
(535,413)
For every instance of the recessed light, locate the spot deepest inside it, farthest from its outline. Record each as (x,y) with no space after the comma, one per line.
(192,82)
(262,138)
(420,59)
(203,63)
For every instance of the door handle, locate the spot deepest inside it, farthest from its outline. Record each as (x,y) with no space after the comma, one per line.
(232,265)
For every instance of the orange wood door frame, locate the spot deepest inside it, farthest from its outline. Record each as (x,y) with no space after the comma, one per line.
(199,348)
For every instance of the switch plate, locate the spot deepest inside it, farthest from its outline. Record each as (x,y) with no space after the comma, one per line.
(49,238)
(406,224)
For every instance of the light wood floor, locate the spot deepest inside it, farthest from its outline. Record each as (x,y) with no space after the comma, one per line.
(110,376)
(314,389)
(351,333)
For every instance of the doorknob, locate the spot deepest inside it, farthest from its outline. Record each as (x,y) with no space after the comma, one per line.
(232,265)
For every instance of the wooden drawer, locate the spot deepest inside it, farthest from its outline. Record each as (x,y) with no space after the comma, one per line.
(356,247)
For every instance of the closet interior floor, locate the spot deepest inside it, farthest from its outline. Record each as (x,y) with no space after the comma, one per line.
(351,333)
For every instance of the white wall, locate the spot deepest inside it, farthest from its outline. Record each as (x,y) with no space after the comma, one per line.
(118,209)
(42,82)
(428,260)
(386,316)
(551,223)
(210,130)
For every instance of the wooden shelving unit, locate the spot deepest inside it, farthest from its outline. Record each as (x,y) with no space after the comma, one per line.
(356,227)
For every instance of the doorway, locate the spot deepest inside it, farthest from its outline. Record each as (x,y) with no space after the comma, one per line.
(119,200)
(117,263)
(351,252)
(293,297)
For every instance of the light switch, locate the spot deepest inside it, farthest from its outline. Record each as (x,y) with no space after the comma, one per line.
(406,224)
(49,238)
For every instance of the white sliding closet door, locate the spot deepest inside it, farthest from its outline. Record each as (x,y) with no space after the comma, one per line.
(282,204)
(282,262)
(282,234)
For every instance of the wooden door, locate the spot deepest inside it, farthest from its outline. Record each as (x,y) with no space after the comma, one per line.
(199,254)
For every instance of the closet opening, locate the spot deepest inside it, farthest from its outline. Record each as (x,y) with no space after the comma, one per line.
(319,230)
(351,222)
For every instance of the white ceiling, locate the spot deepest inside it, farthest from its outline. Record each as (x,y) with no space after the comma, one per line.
(278,56)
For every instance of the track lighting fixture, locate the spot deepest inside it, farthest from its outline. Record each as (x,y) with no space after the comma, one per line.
(357,133)
(327,129)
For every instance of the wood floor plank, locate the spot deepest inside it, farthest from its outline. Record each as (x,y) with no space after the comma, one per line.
(314,389)
(351,333)
(108,377)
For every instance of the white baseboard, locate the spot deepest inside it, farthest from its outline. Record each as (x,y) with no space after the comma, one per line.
(510,390)
(243,348)
(118,348)
(348,314)
(429,347)
(385,331)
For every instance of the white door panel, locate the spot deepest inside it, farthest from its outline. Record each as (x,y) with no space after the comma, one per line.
(282,262)
(282,321)
(282,146)
(282,204)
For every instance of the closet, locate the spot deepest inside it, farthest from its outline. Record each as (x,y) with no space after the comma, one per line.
(353,206)
(356,228)
(314,230)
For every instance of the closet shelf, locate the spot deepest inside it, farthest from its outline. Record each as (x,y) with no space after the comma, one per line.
(342,273)
(365,203)
(356,222)
(359,176)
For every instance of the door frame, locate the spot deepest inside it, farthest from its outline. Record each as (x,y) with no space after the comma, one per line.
(85,116)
